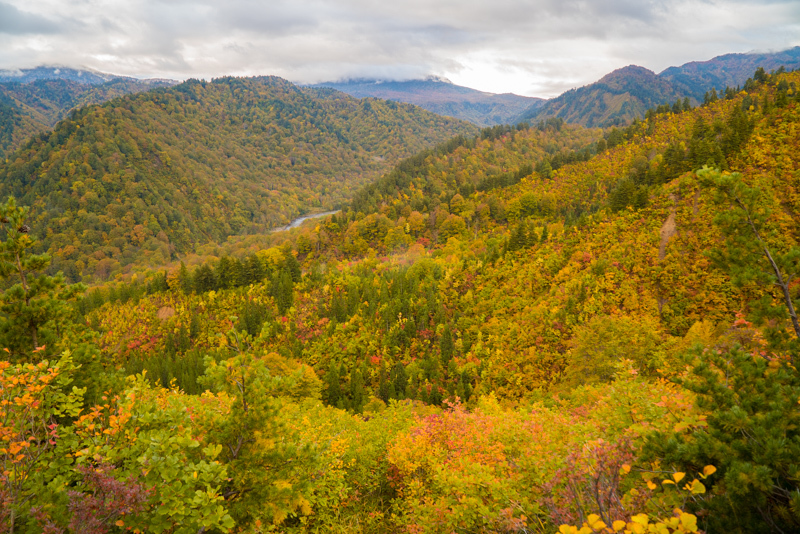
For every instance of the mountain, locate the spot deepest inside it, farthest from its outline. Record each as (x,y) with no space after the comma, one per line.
(477,344)
(625,94)
(615,99)
(81,76)
(729,70)
(145,176)
(442,97)
(34,100)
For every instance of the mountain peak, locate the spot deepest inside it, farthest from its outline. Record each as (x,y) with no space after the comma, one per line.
(627,73)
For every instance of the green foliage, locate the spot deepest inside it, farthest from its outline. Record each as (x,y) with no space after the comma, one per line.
(750,435)
(33,309)
(598,347)
(757,249)
(142,178)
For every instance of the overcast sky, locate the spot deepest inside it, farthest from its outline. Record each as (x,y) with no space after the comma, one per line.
(530,47)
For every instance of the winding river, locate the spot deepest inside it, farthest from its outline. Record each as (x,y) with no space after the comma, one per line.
(300,220)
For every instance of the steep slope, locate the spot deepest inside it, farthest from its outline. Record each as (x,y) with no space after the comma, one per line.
(562,350)
(625,94)
(615,99)
(729,70)
(35,105)
(157,173)
(442,97)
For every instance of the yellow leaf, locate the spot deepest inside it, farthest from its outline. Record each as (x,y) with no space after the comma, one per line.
(618,525)
(626,468)
(678,476)
(709,470)
(697,487)
(651,485)
(689,522)
(120,523)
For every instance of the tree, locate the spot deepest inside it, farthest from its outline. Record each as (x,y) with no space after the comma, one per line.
(34,309)
(33,398)
(755,248)
(751,435)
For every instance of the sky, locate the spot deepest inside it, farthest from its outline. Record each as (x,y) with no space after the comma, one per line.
(529,47)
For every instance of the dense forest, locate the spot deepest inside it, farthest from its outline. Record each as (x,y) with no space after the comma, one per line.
(33,107)
(541,328)
(145,177)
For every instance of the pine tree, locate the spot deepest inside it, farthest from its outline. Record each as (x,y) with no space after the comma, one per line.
(184,279)
(754,249)
(358,394)
(34,309)
(333,392)
(383,384)
(446,345)
(399,380)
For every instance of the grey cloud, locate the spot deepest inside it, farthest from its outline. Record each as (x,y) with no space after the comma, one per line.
(16,22)
(550,44)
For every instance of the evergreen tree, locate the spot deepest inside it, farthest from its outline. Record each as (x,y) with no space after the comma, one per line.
(358,394)
(755,251)
(282,290)
(446,345)
(33,310)
(184,279)
(751,435)
(204,279)
(292,265)
(223,273)
(384,390)
(399,380)
(333,391)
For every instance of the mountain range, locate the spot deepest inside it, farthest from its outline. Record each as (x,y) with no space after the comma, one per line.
(32,101)
(441,96)
(625,94)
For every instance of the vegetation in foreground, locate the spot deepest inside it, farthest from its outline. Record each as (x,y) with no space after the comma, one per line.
(603,345)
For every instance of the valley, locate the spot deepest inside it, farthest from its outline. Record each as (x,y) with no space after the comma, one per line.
(244,305)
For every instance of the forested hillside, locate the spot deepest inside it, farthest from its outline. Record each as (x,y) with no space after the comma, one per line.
(539,329)
(146,176)
(616,99)
(29,107)
(729,70)
(626,94)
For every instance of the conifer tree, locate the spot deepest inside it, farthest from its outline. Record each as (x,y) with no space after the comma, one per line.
(33,309)
(399,380)
(755,250)
(333,392)
(184,279)
(446,345)
(358,394)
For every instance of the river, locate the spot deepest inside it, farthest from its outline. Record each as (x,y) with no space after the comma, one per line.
(300,220)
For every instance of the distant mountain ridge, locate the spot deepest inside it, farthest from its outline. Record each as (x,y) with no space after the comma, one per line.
(80,75)
(441,96)
(625,94)
(731,70)
(33,100)
(617,98)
